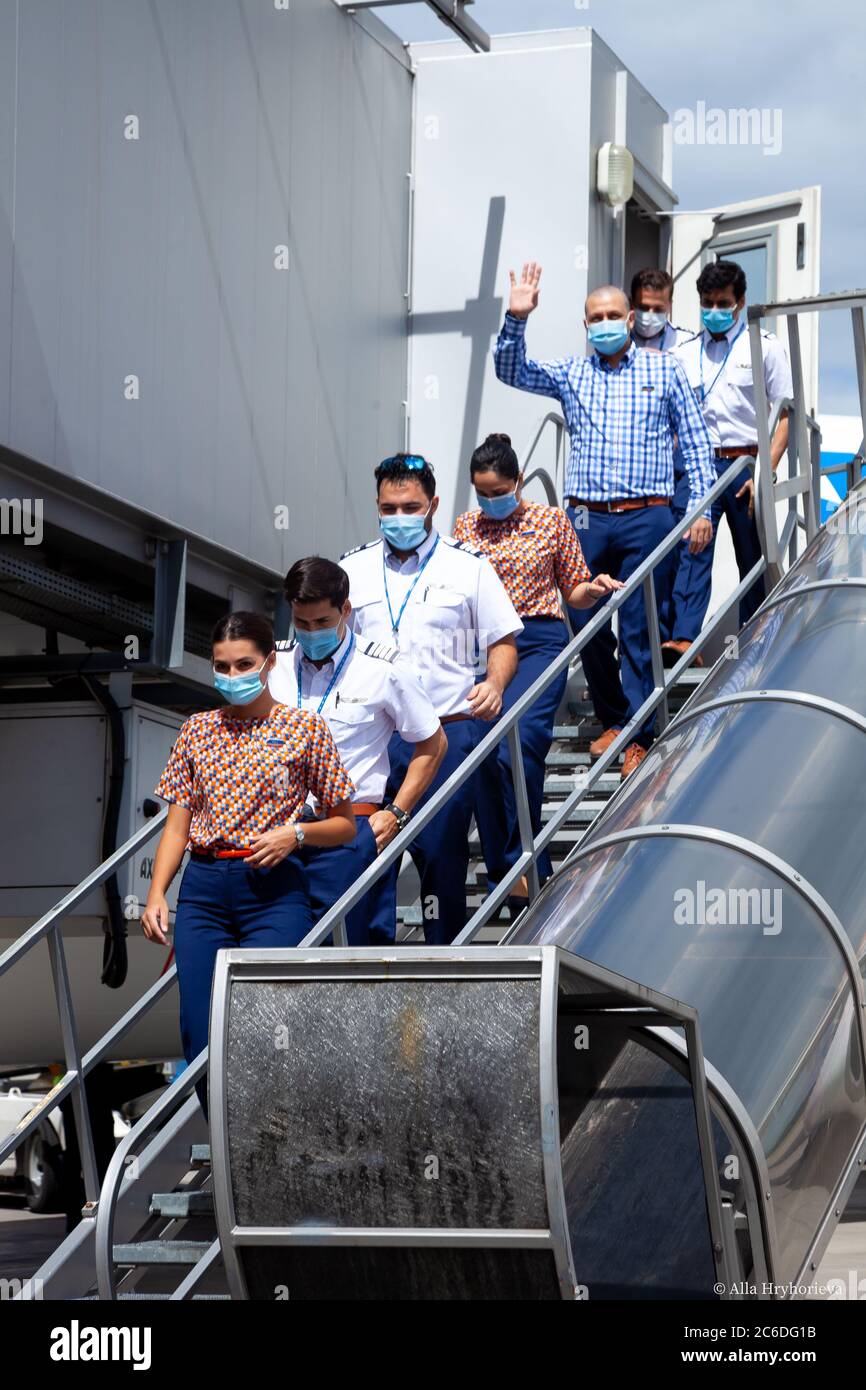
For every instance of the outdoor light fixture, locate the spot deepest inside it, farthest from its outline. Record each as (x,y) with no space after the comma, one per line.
(451,12)
(615,174)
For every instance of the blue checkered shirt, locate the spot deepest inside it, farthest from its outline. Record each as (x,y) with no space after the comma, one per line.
(622,420)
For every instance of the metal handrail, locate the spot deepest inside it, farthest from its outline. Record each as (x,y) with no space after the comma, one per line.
(77,1066)
(169,1102)
(506,727)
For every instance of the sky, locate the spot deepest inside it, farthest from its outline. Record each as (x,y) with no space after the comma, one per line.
(805,59)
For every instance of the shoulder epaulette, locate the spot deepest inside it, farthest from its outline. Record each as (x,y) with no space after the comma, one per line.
(356,549)
(463,545)
(381,650)
(288,645)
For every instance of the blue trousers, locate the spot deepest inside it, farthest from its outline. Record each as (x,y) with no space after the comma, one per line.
(540,642)
(691,593)
(224,904)
(615,543)
(331,872)
(440,852)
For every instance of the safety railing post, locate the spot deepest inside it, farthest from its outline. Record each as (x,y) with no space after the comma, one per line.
(857,323)
(72,1057)
(521,799)
(658,665)
(763,480)
(798,429)
(815,459)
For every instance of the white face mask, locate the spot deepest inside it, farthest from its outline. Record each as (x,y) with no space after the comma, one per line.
(648,323)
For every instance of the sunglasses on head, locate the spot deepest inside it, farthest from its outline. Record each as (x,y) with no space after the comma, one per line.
(414,461)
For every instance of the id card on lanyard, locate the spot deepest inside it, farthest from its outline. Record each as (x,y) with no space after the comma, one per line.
(333,681)
(705,391)
(395,622)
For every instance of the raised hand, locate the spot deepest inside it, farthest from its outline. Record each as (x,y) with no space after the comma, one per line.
(524,292)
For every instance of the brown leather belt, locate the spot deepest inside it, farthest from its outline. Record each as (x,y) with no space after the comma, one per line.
(621,504)
(452,718)
(366,808)
(736,451)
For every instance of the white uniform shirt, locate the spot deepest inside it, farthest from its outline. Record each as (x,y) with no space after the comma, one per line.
(456,610)
(728,390)
(669,338)
(372,697)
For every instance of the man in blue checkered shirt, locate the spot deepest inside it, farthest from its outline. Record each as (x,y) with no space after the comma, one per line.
(623,407)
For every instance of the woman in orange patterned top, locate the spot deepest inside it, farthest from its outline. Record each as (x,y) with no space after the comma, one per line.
(535,551)
(237,780)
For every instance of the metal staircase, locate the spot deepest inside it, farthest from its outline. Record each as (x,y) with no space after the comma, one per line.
(148,1230)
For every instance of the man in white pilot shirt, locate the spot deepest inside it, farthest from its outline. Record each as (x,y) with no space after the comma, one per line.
(365,697)
(718,364)
(443,605)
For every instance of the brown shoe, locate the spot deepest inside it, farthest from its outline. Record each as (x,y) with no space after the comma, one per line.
(672,651)
(634,756)
(602,743)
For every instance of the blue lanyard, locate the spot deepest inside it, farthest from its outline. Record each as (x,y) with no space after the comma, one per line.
(335,677)
(705,391)
(395,624)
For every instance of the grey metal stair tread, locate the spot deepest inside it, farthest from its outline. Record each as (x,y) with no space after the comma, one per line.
(199,1155)
(161,1252)
(560,781)
(166,1298)
(179,1204)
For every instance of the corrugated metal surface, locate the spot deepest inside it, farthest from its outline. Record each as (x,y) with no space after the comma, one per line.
(259,387)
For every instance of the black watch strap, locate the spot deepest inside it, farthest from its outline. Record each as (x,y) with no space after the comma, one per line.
(401,817)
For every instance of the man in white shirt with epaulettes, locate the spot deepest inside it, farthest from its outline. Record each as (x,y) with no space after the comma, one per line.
(718,364)
(365,697)
(444,607)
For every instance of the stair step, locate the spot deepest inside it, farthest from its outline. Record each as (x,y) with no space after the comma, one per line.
(161,1252)
(199,1155)
(166,1297)
(180,1204)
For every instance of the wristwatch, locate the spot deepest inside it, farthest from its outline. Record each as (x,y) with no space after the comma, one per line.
(401,817)
(300,836)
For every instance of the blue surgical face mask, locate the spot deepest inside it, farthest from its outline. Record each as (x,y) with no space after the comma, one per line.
(240,690)
(498,508)
(718,320)
(609,335)
(319,645)
(404,532)
(648,323)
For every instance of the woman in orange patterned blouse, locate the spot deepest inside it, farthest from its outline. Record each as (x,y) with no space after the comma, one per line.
(535,551)
(237,780)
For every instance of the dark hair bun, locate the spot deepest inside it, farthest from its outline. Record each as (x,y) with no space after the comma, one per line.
(499,439)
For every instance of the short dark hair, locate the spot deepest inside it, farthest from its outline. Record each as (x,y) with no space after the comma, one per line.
(245,627)
(313,579)
(398,470)
(495,455)
(719,274)
(651,279)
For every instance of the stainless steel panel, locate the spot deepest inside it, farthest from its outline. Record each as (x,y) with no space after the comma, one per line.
(775,1006)
(371,1104)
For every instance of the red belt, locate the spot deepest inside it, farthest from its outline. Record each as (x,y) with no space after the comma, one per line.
(621,504)
(366,808)
(221,853)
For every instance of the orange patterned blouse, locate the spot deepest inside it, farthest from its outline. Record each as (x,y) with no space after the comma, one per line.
(535,552)
(241,777)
